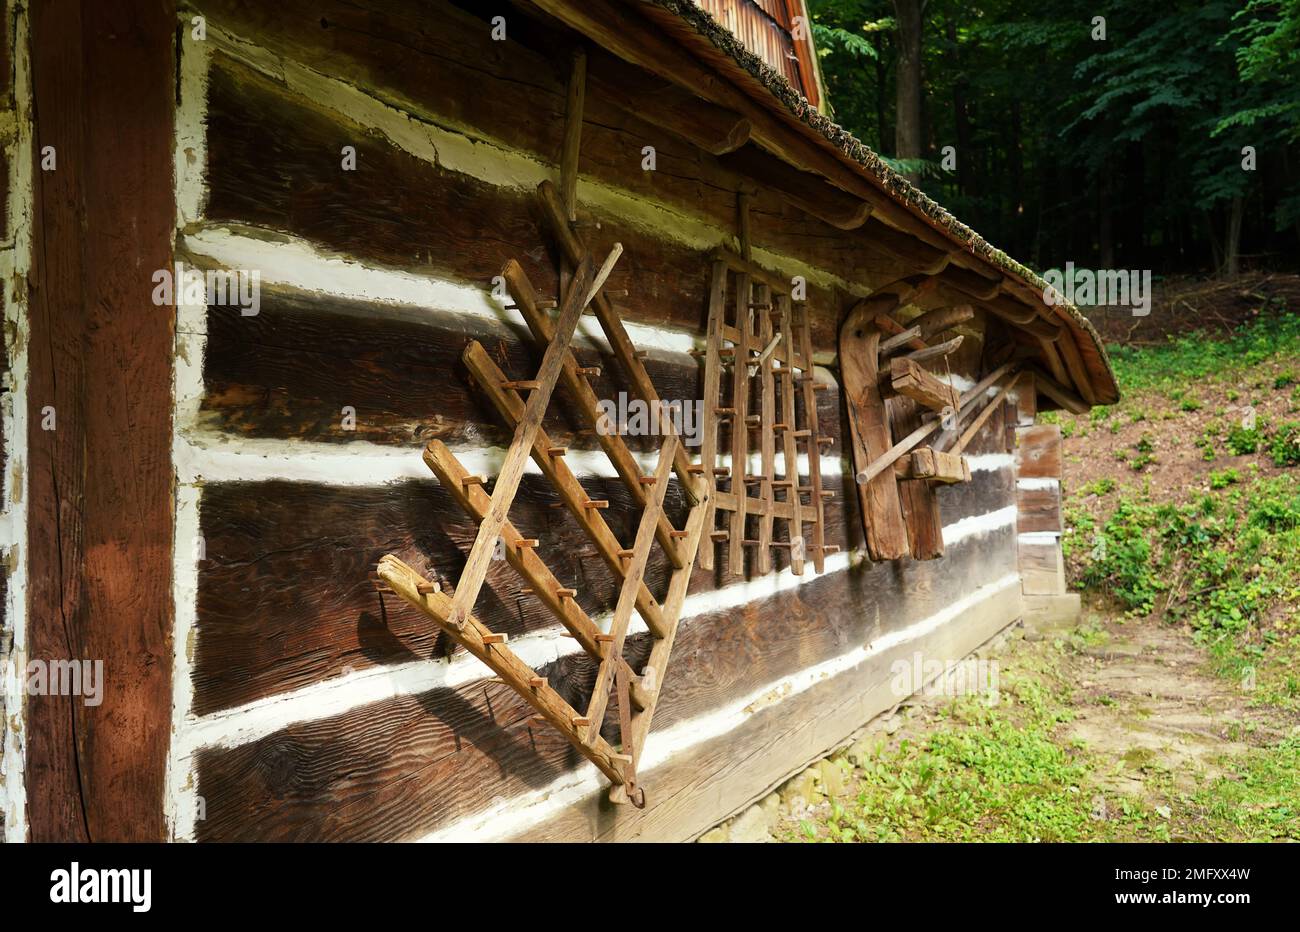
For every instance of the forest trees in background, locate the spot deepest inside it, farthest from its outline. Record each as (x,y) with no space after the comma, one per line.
(1124,151)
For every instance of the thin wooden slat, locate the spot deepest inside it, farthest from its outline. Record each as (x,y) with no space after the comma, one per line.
(523,558)
(766,435)
(558,474)
(789,448)
(624,351)
(502,661)
(526,431)
(613,649)
(814,449)
(575,382)
(739,433)
(573,134)
(712,388)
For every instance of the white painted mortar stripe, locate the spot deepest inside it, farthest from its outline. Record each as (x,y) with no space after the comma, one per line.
(232,727)
(507,818)
(1039,537)
(1036,485)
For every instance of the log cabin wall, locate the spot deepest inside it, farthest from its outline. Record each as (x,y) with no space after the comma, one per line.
(15,252)
(310,706)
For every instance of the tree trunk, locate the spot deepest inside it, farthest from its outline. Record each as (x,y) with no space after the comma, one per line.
(907,133)
(882,131)
(1105,228)
(960,115)
(1232,244)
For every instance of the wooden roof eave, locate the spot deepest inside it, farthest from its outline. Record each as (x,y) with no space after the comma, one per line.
(680,53)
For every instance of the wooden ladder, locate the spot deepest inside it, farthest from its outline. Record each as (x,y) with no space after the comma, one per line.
(522,404)
(764,338)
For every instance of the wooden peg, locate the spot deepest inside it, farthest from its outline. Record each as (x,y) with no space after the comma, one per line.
(695,468)
(641,354)
(679,535)
(626,553)
(424,588)
(722,471)
(724,412)
(596,503)
(803,432)
(526,543)
(580,721)
(615,292)
(537,681)
(556,451)
(780,426)
(591,372)
(472,480)
(827,493)
(493,638)
(719,535)
(566,593)
(646,480)
(825,441)
(523,385)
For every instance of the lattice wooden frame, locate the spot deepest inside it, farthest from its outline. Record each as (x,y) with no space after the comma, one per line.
(755,321)
(637,693)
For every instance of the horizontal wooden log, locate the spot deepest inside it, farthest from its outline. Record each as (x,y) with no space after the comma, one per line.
(781,740)
(257,636)
(409,765)
(938,466)
(1040,510)
(1038,452)
(1042,568)
(466,228)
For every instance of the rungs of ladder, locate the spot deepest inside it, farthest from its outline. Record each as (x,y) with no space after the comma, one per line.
(695,468)
(719,535)
(724,412)
(803,432)
(722,471)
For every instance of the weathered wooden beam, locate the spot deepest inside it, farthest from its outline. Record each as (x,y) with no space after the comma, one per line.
(939,466)
(810,193)
(973,428)
(934,322)
(706,125)
(886,461)
(1059,393)
(908,378)
(882,514)
(573,134)
(939,349)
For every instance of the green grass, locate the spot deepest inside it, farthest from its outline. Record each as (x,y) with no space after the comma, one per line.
(1170,367)
(996,773)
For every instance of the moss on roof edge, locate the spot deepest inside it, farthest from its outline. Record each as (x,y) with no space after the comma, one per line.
(891,181)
